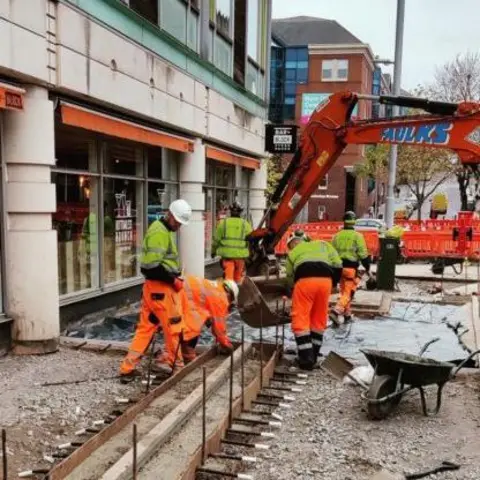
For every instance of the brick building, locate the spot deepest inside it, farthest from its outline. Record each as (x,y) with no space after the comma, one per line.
(312,58)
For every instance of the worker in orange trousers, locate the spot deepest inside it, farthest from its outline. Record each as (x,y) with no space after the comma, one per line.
(162,305)
(206,303)
(312,268)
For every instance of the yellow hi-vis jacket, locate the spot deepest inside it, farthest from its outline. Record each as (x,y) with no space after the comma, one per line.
(230,238)
(351,247)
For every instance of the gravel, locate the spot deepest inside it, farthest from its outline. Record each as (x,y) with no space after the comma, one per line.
(327,435)
(37,418)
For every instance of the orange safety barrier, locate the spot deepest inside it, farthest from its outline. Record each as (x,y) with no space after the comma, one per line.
(417,244)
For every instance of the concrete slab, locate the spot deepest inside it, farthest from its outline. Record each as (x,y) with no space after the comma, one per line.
(471,316)
(424,272)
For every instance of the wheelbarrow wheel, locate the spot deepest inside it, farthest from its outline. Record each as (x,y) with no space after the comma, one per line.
(382,386)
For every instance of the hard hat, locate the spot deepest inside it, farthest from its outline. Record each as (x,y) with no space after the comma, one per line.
(349,217)
(297,235)
(181,211)
(232,288)
(236,207)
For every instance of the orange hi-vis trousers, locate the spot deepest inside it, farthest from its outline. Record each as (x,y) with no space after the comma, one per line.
(205,303)
(234,269)
(161,307)
(348,286)
(309,316)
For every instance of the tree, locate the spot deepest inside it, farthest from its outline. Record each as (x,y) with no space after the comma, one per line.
(274,173)
(459,81)
(421,169)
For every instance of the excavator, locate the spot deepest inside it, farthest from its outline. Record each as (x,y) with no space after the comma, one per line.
(330,129)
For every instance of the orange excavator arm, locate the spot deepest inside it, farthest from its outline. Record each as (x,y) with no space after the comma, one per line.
(330,130)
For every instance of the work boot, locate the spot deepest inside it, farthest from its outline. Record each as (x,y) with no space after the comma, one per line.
(334,318)
(164,366)
(348,318)
(305,359)
(188,351)
(129,376)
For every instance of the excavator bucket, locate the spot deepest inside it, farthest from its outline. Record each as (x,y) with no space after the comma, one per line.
(254,309)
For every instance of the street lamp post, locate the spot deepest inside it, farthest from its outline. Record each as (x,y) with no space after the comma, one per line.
(397,74)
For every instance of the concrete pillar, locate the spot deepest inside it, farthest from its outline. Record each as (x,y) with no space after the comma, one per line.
(192,236)
(258,185)
(31,274)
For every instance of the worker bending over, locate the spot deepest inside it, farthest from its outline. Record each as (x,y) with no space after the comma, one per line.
(161,302)
(352,249)
(206,303)
(313,267)
(230,243)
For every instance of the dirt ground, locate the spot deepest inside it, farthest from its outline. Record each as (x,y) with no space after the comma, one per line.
(327,435)
(38,418)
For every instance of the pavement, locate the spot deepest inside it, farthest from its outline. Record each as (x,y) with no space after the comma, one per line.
(419,271)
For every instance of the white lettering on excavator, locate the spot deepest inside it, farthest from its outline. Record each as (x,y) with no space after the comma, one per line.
(294,201)
(430,134)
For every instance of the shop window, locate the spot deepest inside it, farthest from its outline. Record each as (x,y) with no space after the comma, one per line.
(76,222)
(334,70)
(162,164)
(159,195)
(123,210)
(224,175)
(122,158)
(74,150)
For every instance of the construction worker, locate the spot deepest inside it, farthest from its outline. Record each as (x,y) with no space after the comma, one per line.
(207,303)
(161,302)
(230,243)
(352,249)
(313,268)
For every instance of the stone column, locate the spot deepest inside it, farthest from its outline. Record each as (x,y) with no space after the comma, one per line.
(258,185)
(31,275)
(192,236)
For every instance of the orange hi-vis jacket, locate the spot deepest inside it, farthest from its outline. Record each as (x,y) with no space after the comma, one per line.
(205,301)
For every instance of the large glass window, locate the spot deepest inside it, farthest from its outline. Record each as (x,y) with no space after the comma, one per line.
(146,8)
(174,18)
(252,29)
(223,55)
(102,213)
(223,16)
(334,70)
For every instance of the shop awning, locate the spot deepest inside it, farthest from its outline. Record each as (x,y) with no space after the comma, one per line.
(80,117)
(11,98)
(225,156)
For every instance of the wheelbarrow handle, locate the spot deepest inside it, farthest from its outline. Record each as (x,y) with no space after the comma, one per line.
(456,370)
(425,347)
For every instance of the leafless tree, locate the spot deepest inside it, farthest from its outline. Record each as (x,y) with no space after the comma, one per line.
(459,81)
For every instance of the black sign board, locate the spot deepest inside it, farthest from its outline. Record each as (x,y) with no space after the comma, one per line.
(280,138)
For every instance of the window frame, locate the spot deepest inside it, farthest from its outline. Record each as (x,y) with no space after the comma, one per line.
(334,69)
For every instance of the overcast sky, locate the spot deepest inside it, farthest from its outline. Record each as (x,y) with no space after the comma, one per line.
(435,30)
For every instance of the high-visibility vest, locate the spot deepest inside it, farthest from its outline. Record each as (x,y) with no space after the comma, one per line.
(159,248)
(350,245)
(315,251)
(230,238)
(207,300)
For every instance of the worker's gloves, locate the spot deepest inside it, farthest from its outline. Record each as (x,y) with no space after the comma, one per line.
(178,284)
(225,349)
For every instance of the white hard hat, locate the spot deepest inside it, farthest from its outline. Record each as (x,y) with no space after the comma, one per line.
(232,287)
(181,211)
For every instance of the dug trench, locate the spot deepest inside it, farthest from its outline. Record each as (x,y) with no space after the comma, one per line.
(108,461)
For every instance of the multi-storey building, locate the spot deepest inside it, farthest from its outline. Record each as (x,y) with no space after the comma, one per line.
(110,109)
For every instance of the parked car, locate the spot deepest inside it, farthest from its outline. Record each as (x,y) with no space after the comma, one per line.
(370,224)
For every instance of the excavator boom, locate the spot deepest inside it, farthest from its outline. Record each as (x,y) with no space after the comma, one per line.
(330,130)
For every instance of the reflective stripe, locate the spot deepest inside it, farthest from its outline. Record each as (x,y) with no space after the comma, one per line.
(305,346)
(317,341)
(302,334)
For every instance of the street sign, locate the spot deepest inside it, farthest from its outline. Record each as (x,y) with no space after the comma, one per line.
(280,138)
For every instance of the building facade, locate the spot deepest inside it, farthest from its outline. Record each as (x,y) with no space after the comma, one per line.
(311,59)
(109,110)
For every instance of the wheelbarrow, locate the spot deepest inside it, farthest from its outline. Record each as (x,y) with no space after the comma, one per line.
(397,373)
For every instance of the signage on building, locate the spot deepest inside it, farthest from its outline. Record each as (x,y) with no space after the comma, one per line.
(310,101)
(280,138)
(10,100)
(124,215)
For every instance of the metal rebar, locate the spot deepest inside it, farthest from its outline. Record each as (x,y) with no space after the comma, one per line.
(230,397)
(204,415)
(283,325)
(242,367)
(4,453)
(211,471)
(150,358)
(134,464)
(226,456)
(240,444)
(267,404)
(277,311)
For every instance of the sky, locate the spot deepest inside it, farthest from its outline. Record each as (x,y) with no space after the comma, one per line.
(435,30)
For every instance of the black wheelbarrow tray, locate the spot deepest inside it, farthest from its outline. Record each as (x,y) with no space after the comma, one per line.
(397,373)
